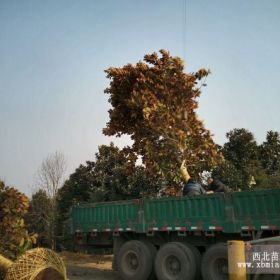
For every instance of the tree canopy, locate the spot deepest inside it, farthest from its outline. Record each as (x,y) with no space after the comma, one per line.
(241,147)
(155,102)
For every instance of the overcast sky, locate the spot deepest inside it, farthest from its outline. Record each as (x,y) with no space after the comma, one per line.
(53,55)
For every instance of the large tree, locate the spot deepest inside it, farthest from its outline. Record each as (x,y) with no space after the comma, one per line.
(155,102)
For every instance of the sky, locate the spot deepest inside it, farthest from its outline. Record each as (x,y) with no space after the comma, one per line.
(53,55)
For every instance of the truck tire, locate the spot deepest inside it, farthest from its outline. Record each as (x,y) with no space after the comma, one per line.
(175,261)
(214,265)
(197,256)
(135,261)
(118,242)
(153,252)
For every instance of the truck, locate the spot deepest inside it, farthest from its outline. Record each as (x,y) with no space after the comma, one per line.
(172,238)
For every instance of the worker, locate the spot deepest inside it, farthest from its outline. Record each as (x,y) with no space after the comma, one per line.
(216,185)
(191,187)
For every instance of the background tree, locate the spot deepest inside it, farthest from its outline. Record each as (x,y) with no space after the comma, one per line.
(13,207)
(38,217)
(269,162)
(118,177)
(270,153)
(113,175)
(50,177)
(270,181)
(241,151)
(229,175)
(77,188)
(154,102)
(247,164)
(241,147)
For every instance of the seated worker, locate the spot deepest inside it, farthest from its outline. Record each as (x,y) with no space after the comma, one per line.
(191,187)
(216,185)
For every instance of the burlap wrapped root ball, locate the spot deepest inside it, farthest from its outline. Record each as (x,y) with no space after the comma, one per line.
(37,264)
(4,266)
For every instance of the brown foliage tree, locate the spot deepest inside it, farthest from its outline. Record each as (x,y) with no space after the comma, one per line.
(154,102)
(13,207)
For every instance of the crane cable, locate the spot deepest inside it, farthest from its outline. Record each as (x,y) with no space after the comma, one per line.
(184,29)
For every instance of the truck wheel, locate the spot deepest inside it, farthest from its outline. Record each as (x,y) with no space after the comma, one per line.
(214,265)
(197,257)
(175,261)
(135,261)
(118,242)
(153,252)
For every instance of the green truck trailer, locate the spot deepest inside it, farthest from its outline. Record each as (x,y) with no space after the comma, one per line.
(176,237)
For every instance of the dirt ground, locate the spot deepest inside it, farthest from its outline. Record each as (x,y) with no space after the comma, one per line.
(87,267)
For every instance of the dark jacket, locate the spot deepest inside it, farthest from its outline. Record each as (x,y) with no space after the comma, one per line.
(218,186)
(193,188)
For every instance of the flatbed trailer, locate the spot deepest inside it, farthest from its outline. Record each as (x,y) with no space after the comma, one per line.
(176,237)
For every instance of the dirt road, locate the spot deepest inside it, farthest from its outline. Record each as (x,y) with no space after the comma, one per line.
(89,267)
(82,273)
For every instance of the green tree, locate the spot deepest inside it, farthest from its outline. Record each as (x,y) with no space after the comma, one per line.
(112,176)
(155,102)
(38,216)
(229,175)
(241,147)
(241,151)
(118,177)
(77,188)
(268,168)
(249,165)
(270,181)
(270,153)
